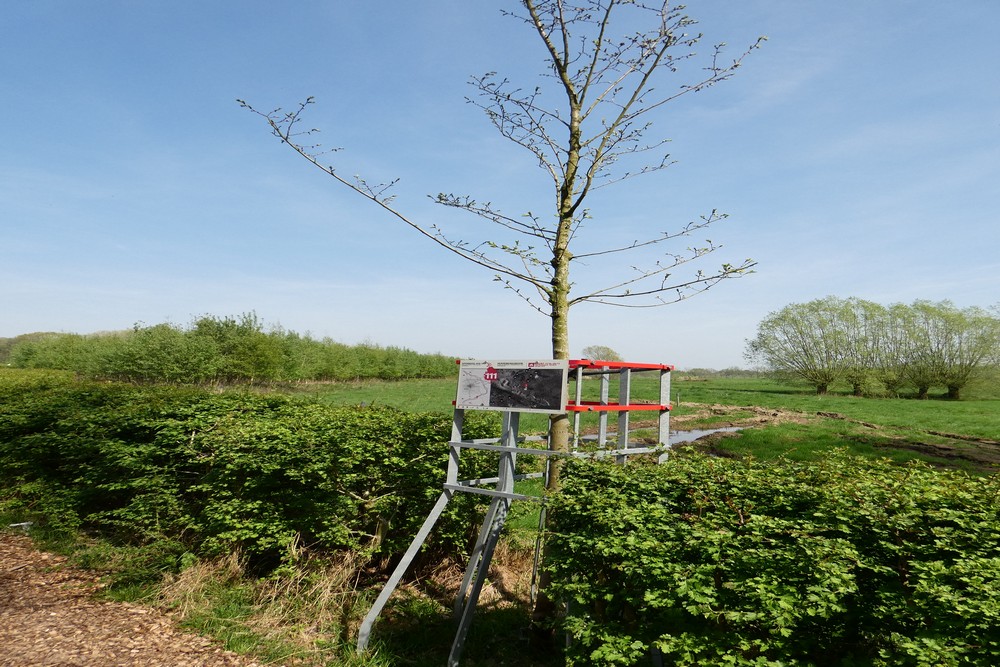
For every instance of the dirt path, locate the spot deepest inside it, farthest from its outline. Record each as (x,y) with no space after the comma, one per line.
(48,617)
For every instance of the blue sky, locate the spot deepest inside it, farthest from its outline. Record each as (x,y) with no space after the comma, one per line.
(857,154)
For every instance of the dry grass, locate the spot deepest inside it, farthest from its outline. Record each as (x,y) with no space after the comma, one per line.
(305,613)
(188,592)
(308,613)
(510,575)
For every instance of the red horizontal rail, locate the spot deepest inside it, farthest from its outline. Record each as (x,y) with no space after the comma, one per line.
(590,406)
(612,365)
(616,365)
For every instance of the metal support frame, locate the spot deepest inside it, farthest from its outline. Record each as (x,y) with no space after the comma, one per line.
(489,533)
(364,632)
(622,447)
(503,494)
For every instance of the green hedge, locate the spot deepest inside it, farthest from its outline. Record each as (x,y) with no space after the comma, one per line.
(215,350)
(720,562)
(216,472)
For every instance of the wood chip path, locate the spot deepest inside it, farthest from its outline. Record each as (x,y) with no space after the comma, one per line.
(48,617)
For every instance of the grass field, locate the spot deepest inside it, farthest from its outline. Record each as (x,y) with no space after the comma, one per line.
(963,434)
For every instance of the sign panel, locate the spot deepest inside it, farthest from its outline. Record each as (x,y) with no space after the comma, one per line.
(513,386)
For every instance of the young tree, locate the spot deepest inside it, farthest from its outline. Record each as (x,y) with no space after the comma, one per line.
(607,89)
(244,351)
(587,124)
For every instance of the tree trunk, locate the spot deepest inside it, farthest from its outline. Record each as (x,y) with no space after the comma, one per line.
(953,392)
(922,392)
(559,435)
(545,610)
(821,389)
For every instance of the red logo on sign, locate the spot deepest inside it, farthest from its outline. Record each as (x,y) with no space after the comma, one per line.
(490,374)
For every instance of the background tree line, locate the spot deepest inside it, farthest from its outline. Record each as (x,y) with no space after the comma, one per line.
(880,349)
(218,350)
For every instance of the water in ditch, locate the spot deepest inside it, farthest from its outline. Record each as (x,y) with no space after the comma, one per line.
(678,437)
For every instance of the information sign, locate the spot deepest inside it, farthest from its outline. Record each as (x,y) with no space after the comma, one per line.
(513,385)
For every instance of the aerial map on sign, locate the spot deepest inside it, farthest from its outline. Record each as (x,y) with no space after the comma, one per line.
(522,386)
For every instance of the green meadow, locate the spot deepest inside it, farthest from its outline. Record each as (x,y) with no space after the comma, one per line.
(962,434)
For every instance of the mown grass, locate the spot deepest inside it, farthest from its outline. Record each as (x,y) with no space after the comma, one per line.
(939,431)
(979,415)
(907,428)
(408,395)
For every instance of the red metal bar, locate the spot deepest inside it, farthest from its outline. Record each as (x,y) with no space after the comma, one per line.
(591,406)
(591,363)
(613,365)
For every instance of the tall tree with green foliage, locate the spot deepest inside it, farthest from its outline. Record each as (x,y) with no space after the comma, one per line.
(601,353)
(864,340)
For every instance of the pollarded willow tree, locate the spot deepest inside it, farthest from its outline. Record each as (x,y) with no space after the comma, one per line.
(950,346)
(587,125)
(804,339)
(601,352)
(924,344)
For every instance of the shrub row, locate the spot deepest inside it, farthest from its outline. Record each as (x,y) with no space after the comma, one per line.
(214,350)
(712,561)
(217,472)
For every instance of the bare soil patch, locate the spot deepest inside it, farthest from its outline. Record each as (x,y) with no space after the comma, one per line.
(725,416)
(984,455)
(49,616)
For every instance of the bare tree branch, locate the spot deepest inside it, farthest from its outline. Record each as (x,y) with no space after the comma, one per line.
(687,230)
(606,295)
(283,125)
(486,210)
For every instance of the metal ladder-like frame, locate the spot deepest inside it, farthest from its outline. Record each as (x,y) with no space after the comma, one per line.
(503,494)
